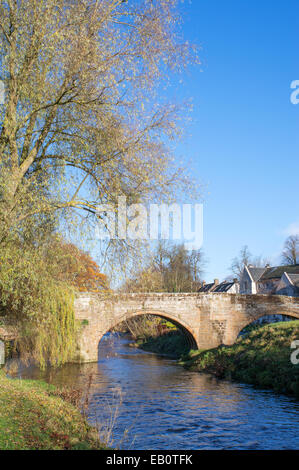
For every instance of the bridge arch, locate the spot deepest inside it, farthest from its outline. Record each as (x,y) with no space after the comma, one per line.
(208,319)
(258,316)
(183,326)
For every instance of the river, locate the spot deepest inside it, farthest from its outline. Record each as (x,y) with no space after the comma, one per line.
(144,401)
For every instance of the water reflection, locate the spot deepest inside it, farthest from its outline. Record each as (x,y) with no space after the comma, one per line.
(159,405)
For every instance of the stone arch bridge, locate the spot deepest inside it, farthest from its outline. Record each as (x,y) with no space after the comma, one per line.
(209,320)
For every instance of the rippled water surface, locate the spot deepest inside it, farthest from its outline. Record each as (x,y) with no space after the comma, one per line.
(155,404)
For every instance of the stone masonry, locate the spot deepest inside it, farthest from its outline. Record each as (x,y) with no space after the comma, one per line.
(209,320)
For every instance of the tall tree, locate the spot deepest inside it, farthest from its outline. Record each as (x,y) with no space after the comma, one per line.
(290,254)
(81,123)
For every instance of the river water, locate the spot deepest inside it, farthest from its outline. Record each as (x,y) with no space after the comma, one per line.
(144,401)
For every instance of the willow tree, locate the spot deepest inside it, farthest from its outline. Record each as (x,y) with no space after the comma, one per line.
(82,122)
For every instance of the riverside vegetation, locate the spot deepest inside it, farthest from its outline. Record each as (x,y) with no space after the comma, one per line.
(172,343)
(155,334)
(261,357)
(38,416)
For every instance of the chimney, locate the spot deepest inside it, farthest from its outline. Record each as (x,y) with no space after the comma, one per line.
(203,283)
(216,282)
(236,280)
(267,265)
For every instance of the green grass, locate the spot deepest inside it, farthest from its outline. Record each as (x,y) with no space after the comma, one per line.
(261,358)
(32,416)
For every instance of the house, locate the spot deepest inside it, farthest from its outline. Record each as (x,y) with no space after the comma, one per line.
(206,288)
(249,279)
(281,280)
(288,285)
(229,287)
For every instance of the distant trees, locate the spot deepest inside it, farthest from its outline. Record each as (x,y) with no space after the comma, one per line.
(290,254)
(240,261)
(171,269)
(244,259)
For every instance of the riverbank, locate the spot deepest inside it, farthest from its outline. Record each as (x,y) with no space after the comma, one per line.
(33,416)
(172,344)
(261,358)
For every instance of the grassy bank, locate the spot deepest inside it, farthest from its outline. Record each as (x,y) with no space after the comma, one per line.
(261,358)
(171,343)
(34,416)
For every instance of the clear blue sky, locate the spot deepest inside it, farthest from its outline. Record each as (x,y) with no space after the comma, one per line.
(245,132)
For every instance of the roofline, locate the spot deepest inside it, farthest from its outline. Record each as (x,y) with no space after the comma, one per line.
(246,267)
(290,280)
